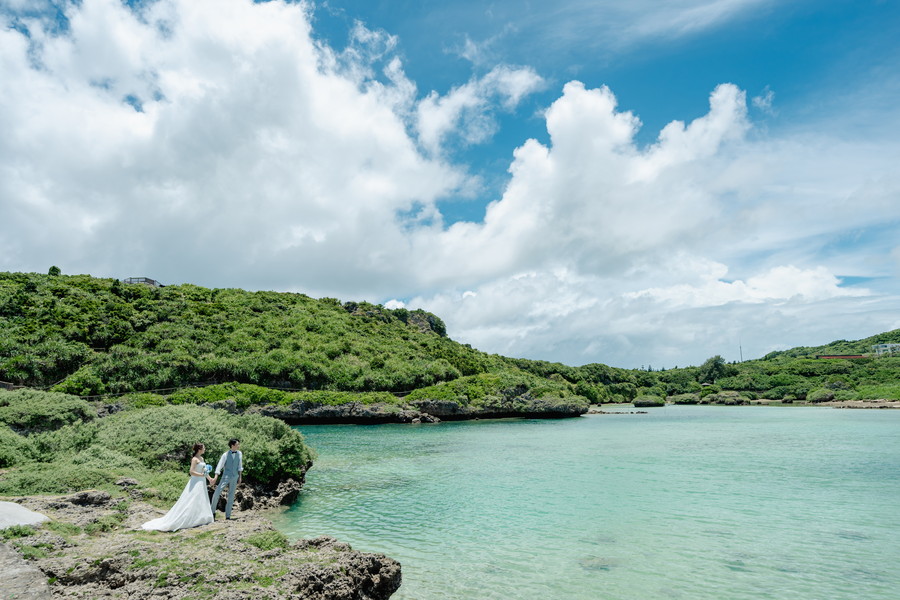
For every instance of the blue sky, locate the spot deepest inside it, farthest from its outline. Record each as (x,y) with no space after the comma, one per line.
(803,49)
(641,183)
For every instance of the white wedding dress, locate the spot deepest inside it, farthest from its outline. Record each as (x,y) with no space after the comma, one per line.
(191,509)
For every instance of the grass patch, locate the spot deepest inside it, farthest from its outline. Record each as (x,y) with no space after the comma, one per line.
(106,522)
(34,551)
(16,532)
(64,529)
(268,540)
(885,391)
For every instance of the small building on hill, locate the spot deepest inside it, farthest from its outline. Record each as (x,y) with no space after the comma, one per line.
(143,281)
(886,349)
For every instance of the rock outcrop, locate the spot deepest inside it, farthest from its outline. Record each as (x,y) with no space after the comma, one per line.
(349,412)
(421,411)
(20,579)
(94,548)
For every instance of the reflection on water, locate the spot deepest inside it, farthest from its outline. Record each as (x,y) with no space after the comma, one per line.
(682,502)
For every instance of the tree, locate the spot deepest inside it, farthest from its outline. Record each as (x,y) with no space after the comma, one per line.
(712,369)
(54,271)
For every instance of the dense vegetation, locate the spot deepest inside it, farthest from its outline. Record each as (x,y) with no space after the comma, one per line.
(90,336)
(71,450)
(87,336)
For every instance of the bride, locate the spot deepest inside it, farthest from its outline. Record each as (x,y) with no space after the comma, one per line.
(192,508)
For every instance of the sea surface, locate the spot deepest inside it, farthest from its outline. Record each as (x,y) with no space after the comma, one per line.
(690,502)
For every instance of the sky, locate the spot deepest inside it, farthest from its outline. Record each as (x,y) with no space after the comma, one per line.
(643,184)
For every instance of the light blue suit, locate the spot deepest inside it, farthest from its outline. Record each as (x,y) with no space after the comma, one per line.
(230,466)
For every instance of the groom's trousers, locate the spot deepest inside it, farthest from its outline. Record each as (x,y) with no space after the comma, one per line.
(231,482)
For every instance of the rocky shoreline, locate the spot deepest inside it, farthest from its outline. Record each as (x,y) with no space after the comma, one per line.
(849,404)
(93,547)
(417,411)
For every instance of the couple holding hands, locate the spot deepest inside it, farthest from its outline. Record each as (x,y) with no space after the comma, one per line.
(193,507)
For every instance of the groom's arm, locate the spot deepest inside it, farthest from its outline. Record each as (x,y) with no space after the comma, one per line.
(240,466)
(221,464)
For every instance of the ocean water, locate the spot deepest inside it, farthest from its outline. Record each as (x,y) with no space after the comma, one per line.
(689,502)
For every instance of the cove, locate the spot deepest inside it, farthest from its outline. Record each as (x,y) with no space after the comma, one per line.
(693,502)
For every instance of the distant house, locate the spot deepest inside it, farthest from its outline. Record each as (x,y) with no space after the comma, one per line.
(886,349)
(144,281)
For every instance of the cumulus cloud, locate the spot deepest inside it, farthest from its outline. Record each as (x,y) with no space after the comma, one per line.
(207,137)
(778,284)
(592,198)
(217,142)
(466,111)
(600,247)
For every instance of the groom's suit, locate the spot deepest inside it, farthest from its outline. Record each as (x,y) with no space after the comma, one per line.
(230,466)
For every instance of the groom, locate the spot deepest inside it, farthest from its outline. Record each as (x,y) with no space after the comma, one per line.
(230,466)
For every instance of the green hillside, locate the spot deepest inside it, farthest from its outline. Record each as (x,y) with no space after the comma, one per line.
(88,336)
(863,346)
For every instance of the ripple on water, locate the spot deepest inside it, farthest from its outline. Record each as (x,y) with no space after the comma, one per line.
(701,503)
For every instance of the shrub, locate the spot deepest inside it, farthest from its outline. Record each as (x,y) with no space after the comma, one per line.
(888,391)
(628,391)
(685,399)
(728,397)
(68,440)
(14,449)
(337,398)
(243,394)
(54,478)
(595,393)
(32,410)
(647,400)
(144,400)
(476,390)
(164,486)
(709,389)
(820,395)
(83,382)
(165,435)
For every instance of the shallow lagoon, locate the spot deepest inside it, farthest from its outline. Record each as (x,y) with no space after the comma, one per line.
(690,502)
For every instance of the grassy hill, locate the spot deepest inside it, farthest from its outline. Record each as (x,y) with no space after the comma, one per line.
(863,346)
(89,336)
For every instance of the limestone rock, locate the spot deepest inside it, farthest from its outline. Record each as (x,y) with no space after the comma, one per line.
(238,559)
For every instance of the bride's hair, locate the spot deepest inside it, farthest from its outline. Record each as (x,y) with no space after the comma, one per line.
(196,448)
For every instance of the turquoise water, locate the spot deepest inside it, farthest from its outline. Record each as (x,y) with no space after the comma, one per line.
(686,502)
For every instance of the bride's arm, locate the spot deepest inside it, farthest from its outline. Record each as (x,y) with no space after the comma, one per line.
(194,462)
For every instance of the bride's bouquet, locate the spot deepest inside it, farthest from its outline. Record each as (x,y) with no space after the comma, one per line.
(207,469)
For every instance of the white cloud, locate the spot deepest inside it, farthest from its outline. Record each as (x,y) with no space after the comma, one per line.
(216,142)
(778,284)
(257,159)
(466,111)
(686,16)
(614,25)
(765,101)
(600,248)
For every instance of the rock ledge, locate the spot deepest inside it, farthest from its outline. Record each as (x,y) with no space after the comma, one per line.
(227,560)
